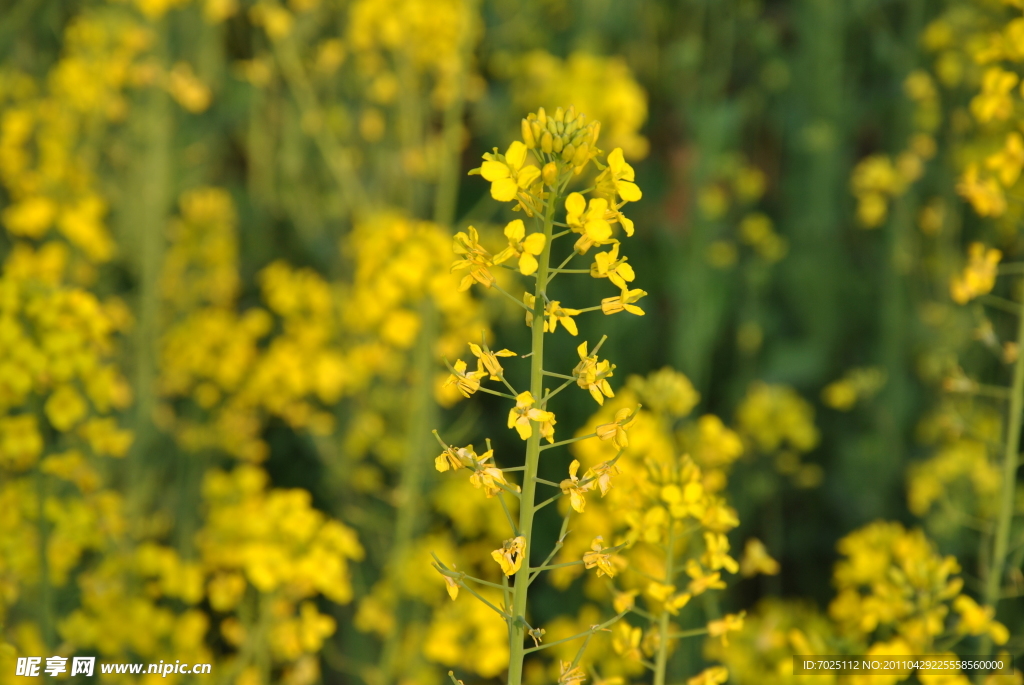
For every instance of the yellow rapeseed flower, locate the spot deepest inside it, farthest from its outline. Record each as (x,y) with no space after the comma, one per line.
(519,417)
(592,375)
(623,302)
(599,557)
(590,221)
(526,248)
(978,277)
(474,257)
(489,360)
(716,553)
(575,488)
(757,560)
(730,623)
(468,382)
(616,430)
(716,675)
(608,265)
(510,556)
(508,173)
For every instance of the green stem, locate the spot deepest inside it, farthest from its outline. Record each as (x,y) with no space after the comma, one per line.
(447,193)
(661,664)
(569,441)
(45,589)
(994,577)
(410,488)
(526,506)
(149,202)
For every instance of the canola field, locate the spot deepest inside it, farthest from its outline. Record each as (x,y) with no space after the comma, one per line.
(519,342)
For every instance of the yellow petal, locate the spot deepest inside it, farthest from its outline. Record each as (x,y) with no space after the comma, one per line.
(493,171)
(528,176)
(504,190)
(575,204)
(515,230)
(527,264)
(516,155)
(598,230)
(627,224)
(629,192)
(534,243)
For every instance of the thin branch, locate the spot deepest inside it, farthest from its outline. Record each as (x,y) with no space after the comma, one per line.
(593,629)
(566,442)
(1001,303)
(552,393)
(512,297)
(547,502)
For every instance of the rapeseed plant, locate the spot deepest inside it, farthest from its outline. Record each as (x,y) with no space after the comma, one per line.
(535,174)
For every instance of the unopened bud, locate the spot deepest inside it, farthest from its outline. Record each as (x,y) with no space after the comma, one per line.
(557,144)
(528,138)
(542,117)
(545,141)
(560,115)
(581,156)
(567,152)
(550,173)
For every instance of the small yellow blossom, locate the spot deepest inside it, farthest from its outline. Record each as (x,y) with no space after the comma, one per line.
(626,641)
(700,581)
(730,623)
(455,458)
(590,221)
(557,314)
(624,601)
(576,488)
(978,620)
(666,594)
(624,301)
(716,553)
(554,314)
(616,430)
(451,585)
(65,408)
(468,382)
(474,257)
(608,265)
(526,248)
(757,560)
(489,360)
(449,459)
(507,173)
(1007,163)
(978,277)
(602,475)
(569,674)
(994,100)
(621,175)
(984,193)
(592,375)
(490,479)
(510,556)
(716,675)
(519,417)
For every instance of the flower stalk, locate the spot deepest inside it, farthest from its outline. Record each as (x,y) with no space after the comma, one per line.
(1011,450)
